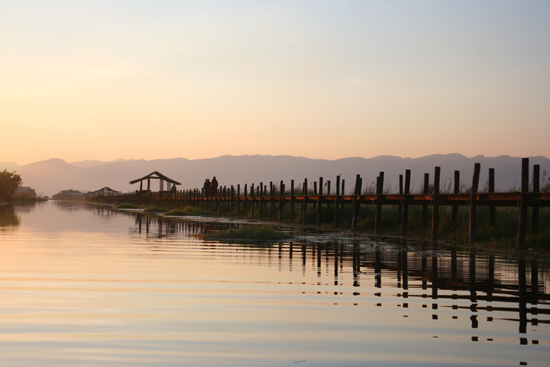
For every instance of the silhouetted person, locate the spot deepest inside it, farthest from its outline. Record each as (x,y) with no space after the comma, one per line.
(207,187)
(214,186)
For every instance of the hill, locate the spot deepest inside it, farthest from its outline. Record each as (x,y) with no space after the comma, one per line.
(53,175)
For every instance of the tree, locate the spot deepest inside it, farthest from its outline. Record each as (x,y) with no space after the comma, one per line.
(9,182)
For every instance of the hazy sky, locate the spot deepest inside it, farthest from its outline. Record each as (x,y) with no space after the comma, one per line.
(322,79)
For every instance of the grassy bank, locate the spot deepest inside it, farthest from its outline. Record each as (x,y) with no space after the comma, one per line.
(503,235)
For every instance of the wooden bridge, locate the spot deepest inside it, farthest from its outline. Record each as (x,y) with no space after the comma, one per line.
(254,202)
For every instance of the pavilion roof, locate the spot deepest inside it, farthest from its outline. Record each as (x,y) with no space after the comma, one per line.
(155,175)
(108,189)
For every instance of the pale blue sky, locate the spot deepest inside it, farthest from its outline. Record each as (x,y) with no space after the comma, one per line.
(321,79)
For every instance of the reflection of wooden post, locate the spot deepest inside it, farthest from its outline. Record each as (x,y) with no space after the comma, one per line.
(523,206)
(405,203)
(535,209)
(522,293)
(472,275)
(435,277)
(405,264)
(435,208)
(473,210)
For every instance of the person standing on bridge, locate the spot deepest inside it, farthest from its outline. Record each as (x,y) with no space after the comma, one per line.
(207,187)
(214,186)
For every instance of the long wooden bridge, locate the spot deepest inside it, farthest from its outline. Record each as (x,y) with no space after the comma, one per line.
(257,201)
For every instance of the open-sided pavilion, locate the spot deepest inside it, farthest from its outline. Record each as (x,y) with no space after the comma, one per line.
(170,183)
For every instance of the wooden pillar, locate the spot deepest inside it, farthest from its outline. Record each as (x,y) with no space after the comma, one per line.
(315,194)
(379,190)
(245,200)
(536,189)
(291,201)
(400,207)
(319,201)
(473,209)
(337,201)
(271,201)
(281,202)
(435,204)
(252,201)
(492,214)
(425,206)
(356,202)
(238,200)
(454,215)
(405,203)
(304,204)
(523,205)
(262,193)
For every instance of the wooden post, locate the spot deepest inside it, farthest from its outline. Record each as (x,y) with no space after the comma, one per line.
(238,200)
(492,219)
(424,206)
(454,215)
(523,205)
(304,204)
(435,204)
(337,201)
(262,193)
(271,200)
(319,201)
(291,201)
(315,193)
(281,193)
(245,200)
(400,207)
(232,193)
(473,209)
(356,202)
(405,203)
(379,190)
(535,209)
(252,201)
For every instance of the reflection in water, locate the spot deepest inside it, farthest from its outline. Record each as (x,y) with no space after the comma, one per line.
(8,218)
(92,286)
(450,276)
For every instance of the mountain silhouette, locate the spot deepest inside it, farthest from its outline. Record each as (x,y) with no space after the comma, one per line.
(53,175)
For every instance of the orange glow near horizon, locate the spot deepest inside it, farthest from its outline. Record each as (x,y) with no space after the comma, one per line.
(92,81)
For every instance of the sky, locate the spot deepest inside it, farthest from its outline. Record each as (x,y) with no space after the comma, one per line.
(107,80)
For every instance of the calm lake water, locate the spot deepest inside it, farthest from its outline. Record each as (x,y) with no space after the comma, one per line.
(87,286)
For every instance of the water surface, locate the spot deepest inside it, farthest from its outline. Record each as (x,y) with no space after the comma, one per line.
(87,286)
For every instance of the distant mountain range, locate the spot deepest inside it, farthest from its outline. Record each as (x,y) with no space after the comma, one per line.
(53,175)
